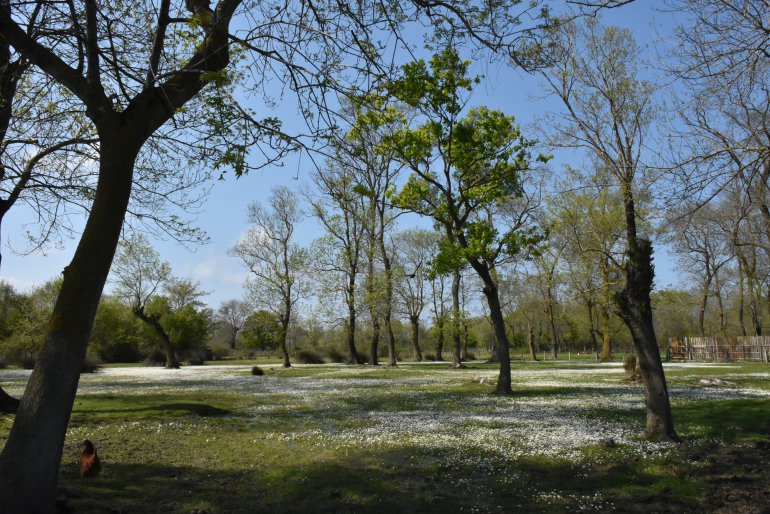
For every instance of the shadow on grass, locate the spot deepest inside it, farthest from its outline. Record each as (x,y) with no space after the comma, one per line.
(408,480)
(729,420)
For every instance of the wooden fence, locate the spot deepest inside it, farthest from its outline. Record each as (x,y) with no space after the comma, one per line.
(719,349)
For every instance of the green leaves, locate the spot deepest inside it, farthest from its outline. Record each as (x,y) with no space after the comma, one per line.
(463,168)
(435,87)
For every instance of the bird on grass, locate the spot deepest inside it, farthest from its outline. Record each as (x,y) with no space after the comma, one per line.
(90,465)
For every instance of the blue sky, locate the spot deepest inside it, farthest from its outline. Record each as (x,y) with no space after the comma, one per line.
(223,215)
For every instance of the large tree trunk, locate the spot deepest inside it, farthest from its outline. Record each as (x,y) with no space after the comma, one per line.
(415,322)
(352,353)
(284,347)
(552,326)
(703,304)
(373,311)
(720,305)
(386,263)
(635,310)
(392,361)
(28,484)
(741,298)
(457,359)
(440,339)
(168,348)
(498,322)
(592,330)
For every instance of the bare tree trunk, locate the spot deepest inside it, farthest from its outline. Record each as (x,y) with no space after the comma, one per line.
(457,359)
(392,361)
(703,305)
(552,326)
(415,322)
(284,338)
(750,271)
(386,263)
(636,311)
(741,297)
(29,484)
(592,329)
(168,348)
(440,339)
(352,354)
(720,304)
(372,301)
(504,384)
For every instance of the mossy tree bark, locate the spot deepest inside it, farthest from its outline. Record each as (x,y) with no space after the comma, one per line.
(635,308)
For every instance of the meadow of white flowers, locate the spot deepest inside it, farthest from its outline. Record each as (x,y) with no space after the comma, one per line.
(558,411)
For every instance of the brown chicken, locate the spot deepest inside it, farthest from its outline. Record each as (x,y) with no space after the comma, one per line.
(90,465)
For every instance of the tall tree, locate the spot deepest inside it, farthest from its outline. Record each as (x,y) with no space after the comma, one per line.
(725,109)
(704,253)
(338,254)
(233,313)
(589,215)
(608,112)
(415,249)
(463,169)
(439,309)
(375,172)
(130,85)
(548,262)
(72,56)
(276,262)
(140,276)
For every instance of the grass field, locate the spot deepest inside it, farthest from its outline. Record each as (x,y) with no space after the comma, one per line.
(417,438)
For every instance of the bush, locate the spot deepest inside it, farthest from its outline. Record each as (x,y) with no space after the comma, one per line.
(20,350)
(428,357)
(219,351)
(309,357)
(155,357)
(335,356)
(257,371)
(196,360)
(198,356)
(120,352)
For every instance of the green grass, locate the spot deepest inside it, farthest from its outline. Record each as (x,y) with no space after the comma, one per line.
(417,438)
